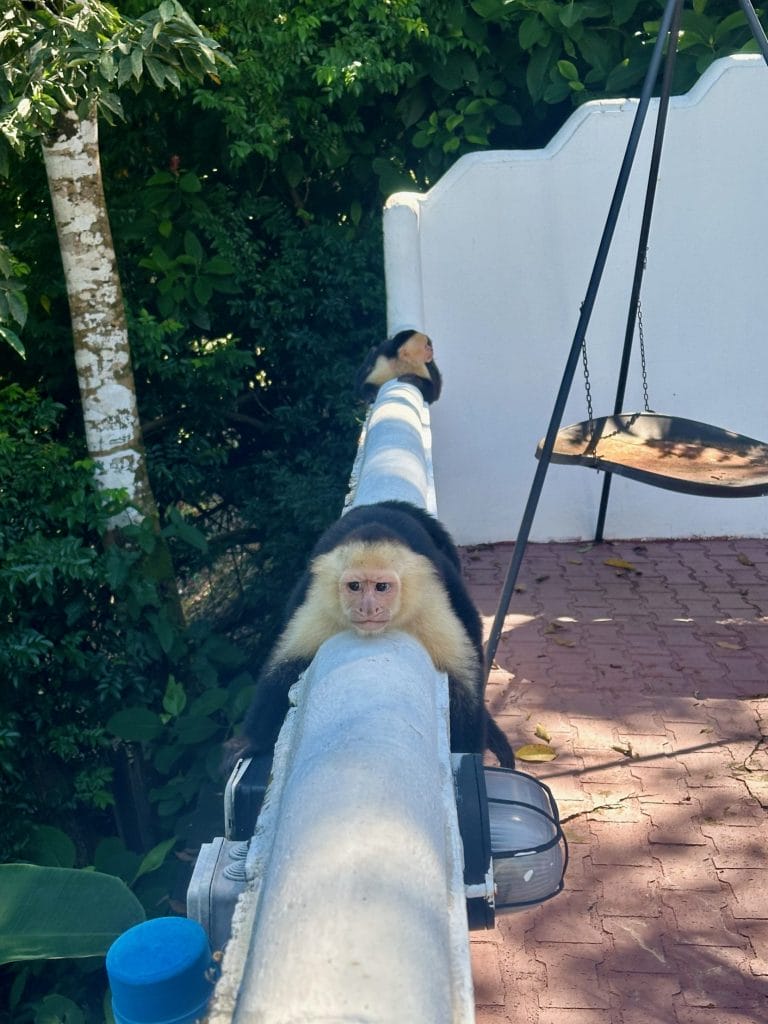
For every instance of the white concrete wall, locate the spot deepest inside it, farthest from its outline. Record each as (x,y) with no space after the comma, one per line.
(493,264)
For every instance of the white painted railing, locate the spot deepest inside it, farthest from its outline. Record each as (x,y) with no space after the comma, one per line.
(355,906)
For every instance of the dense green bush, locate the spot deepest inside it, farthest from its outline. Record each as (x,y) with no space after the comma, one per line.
(83,641)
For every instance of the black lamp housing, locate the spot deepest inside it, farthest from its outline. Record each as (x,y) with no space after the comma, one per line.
(515,853)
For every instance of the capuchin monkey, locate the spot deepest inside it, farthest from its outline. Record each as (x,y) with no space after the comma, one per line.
(408,356)
(381,567)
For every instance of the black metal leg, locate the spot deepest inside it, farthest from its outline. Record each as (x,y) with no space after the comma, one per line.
(642,247)
(581,330)
(757,29)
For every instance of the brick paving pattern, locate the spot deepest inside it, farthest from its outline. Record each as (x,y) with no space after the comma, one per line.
(664,918)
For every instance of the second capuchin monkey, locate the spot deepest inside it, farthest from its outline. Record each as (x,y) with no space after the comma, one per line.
(409,356)
(388,566)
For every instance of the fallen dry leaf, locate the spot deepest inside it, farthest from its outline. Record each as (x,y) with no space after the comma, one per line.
(619,563)
(744,559)
(728,646)
(536,752)
(554,626)
(563,641)
(542,733)
(626,750)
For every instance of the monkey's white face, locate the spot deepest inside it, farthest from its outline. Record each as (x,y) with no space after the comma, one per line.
(417,349)
(369,598)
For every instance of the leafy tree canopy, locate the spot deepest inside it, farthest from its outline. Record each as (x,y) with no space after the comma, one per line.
(58,56)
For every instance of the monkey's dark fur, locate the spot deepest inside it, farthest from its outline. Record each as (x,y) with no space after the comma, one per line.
(399,358)
(436,610)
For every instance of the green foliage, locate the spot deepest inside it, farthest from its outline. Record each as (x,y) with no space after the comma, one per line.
(84,634)
(69,57)
(53,912)
(181,268)
(13,301)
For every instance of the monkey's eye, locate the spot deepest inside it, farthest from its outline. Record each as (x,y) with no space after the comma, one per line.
(382,587)
(353,585)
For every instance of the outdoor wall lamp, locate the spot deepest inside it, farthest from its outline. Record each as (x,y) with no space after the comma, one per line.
(515,853)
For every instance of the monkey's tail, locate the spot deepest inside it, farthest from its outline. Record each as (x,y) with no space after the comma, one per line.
(499,745)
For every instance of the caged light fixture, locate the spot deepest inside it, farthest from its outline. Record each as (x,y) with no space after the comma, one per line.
(515,853)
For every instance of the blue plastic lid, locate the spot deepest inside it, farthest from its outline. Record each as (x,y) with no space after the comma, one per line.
(160,972)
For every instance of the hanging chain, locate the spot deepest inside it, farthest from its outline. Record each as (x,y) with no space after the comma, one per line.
(587,382)
(643,366)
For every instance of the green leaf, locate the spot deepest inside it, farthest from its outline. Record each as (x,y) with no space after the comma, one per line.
(195,730)
(506,114)
(172,75)
(203,290)
(11,338)
(50,913)
(17,307)
(50,846)
(156,70)
(623,76)
(219,265)
(727,25)
(137,63)
(190,182)
(596,52)
(112,858)
(107,66)
(571,14)
(111,101)
(538,70)
(292,167)
(623,10)
(209,701)
(568,70)
(175,697)
(135,725)
(192,247)
(488,8)
(161,178)
(163,630)
(56,1009)
(155,858)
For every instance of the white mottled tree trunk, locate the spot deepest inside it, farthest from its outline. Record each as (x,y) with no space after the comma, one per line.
(102,354)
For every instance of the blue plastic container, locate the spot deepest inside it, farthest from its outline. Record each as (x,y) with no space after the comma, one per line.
(161,972)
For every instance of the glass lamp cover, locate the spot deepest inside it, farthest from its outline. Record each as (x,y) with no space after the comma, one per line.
(527,844)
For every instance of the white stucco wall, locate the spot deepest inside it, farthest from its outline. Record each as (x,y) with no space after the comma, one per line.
(493,264)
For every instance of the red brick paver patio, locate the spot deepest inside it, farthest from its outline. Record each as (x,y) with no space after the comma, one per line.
(651,678)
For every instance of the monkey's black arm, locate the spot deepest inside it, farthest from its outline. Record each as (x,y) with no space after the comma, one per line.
(267,710)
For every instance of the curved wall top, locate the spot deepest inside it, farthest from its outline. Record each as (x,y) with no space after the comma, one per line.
(493,263)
